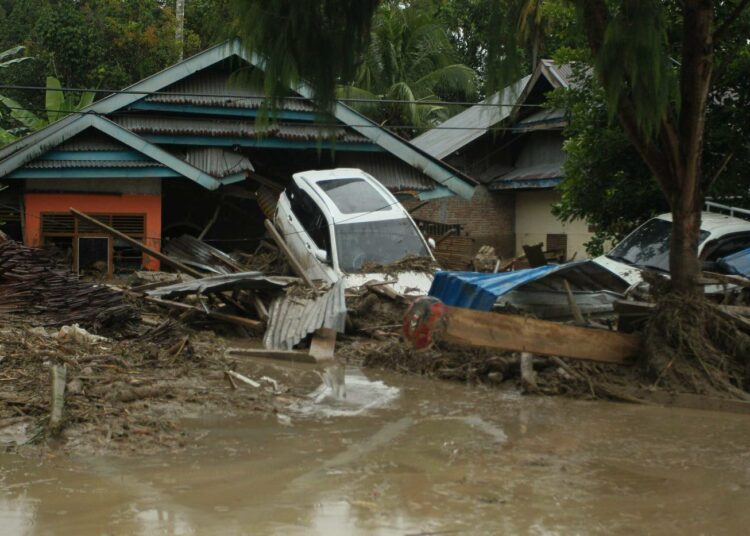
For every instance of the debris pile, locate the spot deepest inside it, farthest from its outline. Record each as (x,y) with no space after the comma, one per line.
(32,284)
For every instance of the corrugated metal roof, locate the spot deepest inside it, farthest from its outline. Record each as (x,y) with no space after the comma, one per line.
(58,164)
(194,252)
(481,291)
(543,117)
(563,73)
(189,126)
(390,171)
(199,89)
(292,318)
(217,161)
(219,283)
(469,125)
(91,141)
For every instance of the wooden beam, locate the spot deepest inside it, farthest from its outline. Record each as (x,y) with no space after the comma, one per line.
(177,265)
(294,356)
(231,319)
(523,334)
(323,344)
(293,262)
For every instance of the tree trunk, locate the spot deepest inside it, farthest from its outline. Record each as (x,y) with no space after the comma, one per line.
(684,265)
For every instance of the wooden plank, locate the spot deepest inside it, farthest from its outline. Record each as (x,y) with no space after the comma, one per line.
(573,305)
(177,265)
(323,344)
(294,356)
(231,319)
(293,262)
(523,334)
(57,376)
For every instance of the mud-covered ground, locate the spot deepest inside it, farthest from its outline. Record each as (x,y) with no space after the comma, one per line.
(122,396)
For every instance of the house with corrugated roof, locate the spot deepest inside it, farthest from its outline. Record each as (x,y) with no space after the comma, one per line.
(193,149)
(513,147)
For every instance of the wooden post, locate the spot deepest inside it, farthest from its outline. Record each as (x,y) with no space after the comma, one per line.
(528,376)
(232,319)
(57,376)
(177,265)
(577,315)
(293,262)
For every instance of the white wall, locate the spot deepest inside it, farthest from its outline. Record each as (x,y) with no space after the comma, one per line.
(534,220)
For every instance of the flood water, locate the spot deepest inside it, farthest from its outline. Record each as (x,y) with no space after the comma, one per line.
(407,456)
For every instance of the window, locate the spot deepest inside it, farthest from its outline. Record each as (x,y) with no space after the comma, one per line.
(352,196)
(379,242)
(558,244)
(310,216)
(648,246)
(82,244)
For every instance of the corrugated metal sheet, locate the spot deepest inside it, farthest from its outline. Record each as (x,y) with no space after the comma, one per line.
(531,173)
(215,88)
(198,254)
(469,125)
(188,126)
(58,164)
(737,263)
(292,318)
(91,141)
(217,161)
(542,118)
(563,73)
(389,170)
(219,283)
(481,291)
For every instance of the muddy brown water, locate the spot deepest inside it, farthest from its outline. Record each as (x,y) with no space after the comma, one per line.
(403,455)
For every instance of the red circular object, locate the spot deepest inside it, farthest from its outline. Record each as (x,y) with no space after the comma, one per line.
(424,322)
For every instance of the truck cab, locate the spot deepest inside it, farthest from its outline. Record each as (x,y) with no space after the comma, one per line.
(342,223)
(647,248)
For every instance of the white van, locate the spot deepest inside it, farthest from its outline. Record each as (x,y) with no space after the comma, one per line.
(339,221)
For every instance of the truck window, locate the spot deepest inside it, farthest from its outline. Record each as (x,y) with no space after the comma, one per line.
(726,245)
(310,216)
(352,196)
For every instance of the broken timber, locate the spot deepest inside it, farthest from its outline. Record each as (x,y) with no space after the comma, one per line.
(523,334)
(293,262)
(232,319)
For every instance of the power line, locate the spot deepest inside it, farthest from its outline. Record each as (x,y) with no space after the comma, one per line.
(294,124)
(262,98)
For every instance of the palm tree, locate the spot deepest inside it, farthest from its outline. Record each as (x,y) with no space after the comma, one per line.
(410,58)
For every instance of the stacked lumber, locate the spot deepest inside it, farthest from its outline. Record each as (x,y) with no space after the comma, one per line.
(31,283)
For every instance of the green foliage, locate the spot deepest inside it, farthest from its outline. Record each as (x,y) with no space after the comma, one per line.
(57,106)
(410,57)
(606,183)
(320,41)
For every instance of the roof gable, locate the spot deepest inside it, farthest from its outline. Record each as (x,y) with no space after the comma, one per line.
(10,156)
(471,124)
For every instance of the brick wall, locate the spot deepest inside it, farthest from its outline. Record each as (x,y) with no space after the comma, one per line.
(488,218)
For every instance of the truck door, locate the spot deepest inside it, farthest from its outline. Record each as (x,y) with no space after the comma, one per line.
(306,230)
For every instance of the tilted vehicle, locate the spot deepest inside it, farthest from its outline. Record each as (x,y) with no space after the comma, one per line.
(342,223)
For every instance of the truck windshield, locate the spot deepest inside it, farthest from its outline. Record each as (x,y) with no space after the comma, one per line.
(379,242)
(354,195)
(648,246)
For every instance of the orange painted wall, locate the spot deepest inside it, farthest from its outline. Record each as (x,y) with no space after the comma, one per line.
(150,205)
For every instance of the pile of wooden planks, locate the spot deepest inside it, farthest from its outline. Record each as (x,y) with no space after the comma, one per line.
(31,283)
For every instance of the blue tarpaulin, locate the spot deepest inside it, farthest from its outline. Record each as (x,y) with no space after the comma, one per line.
(480,291)
(736,263)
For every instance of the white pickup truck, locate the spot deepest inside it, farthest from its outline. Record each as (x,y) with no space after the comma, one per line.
(339,221)
(647,248)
